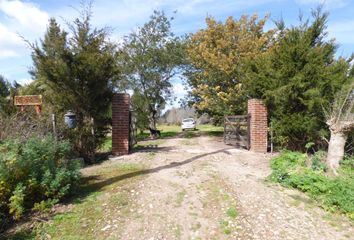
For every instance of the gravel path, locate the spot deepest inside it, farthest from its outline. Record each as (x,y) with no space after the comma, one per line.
(199,188)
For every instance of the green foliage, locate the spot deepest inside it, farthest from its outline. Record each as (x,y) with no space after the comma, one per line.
(75,71)
(17,200)
(334,194)
(141,110)
(232,212)
(318,161)
(286,163)
(33,173)
(150,59)
(4,87)
(297,77)
(7,92)
(294,69)
(218,55)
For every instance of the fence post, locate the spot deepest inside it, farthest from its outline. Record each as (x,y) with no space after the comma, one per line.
(54,127)
(258,125)
(120,123)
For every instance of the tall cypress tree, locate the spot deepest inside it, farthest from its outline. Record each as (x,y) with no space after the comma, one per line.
(297,77)
(77,71)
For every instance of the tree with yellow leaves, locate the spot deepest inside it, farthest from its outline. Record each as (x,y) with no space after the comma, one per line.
(218,56)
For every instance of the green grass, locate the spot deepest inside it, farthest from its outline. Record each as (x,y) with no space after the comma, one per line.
(225,227)
(211,130)
(180,197)
(169,131)
(335,194)
(178,231)
(232,212)
(98,197)
(219,198)
(106,145)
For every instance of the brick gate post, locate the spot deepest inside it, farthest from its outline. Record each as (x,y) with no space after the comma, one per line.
(258,125)
(120,123)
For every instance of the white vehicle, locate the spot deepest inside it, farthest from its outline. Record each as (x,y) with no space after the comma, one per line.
(188,123)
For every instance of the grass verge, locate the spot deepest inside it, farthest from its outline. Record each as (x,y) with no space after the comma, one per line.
(98,209)
(335,194)
(168,131)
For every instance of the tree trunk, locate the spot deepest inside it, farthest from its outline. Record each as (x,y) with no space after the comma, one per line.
(152,119)
(336,150)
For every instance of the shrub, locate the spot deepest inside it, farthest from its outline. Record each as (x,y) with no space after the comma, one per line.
(333,193)
(34,172)
(23,125)
(285,163)
(318,161)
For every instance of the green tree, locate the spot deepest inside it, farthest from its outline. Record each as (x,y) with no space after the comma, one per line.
(7,92)
(140,109)
(150,59)
(218,57)
(4,87)
(297,77)
(76,72)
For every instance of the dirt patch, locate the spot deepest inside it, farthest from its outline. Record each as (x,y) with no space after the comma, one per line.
(207,190)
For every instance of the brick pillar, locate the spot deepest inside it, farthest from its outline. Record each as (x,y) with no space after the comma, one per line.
(120,123)
(258,125)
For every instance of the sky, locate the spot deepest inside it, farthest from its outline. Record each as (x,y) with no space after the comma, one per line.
(28,19)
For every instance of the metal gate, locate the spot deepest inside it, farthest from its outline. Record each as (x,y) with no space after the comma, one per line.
(236,131)
(132,130)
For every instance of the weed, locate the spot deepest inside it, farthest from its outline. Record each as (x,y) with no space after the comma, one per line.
(120,199)
(196,226)
(178,231)
(227,231)
(225,227)
(180,198)
(333,193)
(318,161)
(232,212)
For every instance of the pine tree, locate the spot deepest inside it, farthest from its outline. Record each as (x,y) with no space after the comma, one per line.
(76,71)
(297,77)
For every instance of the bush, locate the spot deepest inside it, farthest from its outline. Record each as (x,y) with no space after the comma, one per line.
(34,172)
(333,193)
(23,125)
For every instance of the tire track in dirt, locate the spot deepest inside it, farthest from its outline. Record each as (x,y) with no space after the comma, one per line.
(193,186)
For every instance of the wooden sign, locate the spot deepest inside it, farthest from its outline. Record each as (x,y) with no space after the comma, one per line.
(28,100)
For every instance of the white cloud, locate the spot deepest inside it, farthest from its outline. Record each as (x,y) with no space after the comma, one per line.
(19,18)
(7,53)
(26,14)
(25,81)
(9,42)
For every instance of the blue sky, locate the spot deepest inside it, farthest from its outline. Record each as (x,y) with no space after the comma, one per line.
(29,19)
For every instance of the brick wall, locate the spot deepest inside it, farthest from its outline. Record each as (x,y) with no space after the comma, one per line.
(258,125)
(120,123)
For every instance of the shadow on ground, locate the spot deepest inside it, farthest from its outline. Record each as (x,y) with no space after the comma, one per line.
(99,185)
(96,183)
(151,148)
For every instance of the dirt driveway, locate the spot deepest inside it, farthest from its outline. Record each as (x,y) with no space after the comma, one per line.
(199,188)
